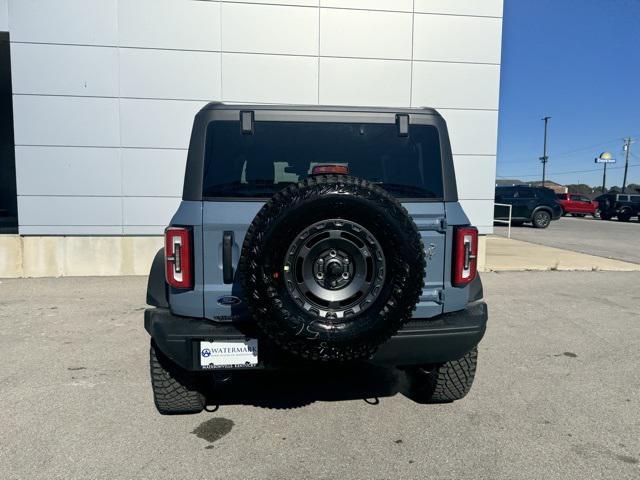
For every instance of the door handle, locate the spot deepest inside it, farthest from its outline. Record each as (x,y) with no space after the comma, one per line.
(227,257)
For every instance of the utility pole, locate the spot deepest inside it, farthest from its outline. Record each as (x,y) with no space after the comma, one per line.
(627,150)
(544,158)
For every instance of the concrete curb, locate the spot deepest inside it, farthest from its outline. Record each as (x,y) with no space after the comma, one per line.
(505,255)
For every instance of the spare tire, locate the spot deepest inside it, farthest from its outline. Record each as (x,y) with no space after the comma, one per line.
(332,266)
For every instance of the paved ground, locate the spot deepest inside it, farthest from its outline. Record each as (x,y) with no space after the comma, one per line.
(609,239)
(556,395)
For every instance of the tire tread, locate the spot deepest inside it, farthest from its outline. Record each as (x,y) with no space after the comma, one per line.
(447,382)
(175,391)
(266,308)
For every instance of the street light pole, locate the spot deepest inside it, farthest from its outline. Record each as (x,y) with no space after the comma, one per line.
(544,157)
(605,157)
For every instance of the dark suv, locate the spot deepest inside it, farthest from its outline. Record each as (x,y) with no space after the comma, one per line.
(314,236)
(537,205)
(620,205)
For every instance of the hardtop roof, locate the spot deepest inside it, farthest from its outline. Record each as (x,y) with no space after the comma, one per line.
(320,108)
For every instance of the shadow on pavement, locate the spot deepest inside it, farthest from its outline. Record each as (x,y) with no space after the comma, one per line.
(295,389)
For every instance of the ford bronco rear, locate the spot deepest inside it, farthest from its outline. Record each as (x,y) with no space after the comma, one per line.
(315,236)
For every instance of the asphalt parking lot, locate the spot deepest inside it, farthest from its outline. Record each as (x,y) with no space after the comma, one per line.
(609,239)
(556,395)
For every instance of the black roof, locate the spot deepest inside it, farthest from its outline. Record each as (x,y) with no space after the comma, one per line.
(318,108)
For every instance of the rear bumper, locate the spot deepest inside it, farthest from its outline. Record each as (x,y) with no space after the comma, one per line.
(447,337)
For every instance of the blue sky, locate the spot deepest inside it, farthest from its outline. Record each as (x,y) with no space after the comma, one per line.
(577,61)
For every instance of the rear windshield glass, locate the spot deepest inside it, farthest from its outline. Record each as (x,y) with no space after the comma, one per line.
(278,153)
(546,194)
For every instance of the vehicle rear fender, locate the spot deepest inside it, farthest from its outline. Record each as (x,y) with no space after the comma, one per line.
(626,209)
(157,285)
(189,302)
(456,298)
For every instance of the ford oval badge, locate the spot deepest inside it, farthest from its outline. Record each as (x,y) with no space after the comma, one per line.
(229,301)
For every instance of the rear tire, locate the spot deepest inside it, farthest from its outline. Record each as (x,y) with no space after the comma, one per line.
(624,216)
(443,383)
(175,391)
(541,219)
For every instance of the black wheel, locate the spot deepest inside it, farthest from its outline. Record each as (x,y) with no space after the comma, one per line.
(624,216)
(175,390)
(443,383)
(541,219)
(334,265)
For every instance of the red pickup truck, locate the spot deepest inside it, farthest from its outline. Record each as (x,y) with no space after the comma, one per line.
(577,205)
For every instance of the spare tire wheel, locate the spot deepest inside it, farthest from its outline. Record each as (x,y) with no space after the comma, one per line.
(332,266)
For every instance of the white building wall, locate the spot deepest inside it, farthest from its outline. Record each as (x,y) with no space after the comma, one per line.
(4,15)
(105,90)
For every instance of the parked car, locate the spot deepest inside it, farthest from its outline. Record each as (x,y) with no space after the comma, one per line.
(620,205)
(537,205)
(314,236)
(576,204)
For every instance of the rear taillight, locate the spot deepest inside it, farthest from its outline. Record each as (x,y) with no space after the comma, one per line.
(324,169)
(178,258)
(465,256)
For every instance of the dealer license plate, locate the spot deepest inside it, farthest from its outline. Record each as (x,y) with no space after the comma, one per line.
(229,354)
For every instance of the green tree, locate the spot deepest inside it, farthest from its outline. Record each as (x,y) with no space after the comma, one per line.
(633,188)
(581,188)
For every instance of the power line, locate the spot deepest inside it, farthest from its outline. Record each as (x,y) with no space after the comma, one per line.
(570,172)
(576,150)
(582,149)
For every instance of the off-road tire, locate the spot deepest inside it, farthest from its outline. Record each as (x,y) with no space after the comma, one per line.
(624,216)
(316,199)
(443,383)
(175,391)
(541,219)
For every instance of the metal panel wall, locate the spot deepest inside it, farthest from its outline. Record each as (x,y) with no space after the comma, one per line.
(105,90)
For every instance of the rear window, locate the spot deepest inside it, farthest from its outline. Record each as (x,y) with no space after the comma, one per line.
(546,194)
(258,165)
(524,192)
